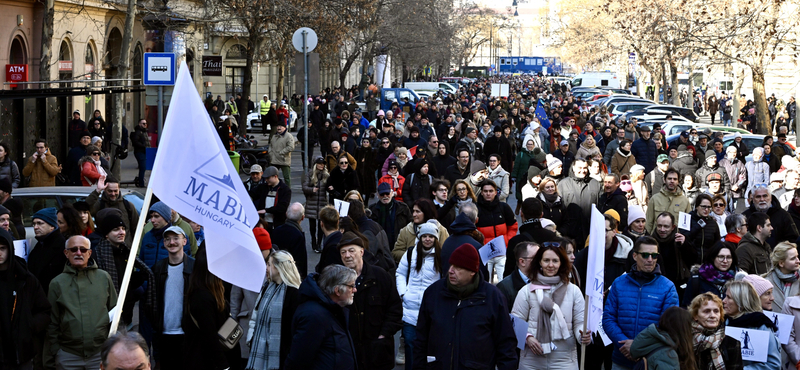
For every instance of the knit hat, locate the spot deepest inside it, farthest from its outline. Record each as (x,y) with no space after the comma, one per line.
(5,185)
(535,125)
(429,228)
(381,113)
(539,155)
(613,213)
(47,215)
(96,139)
(162,209)
(497,129)
(256,169)
(713,177)
(466,256)
(759,283)
(270,171)
(552,162)
(350,238)
(4,211)
(731,148)
(108,223)
(384,188)
(468,130)
(635,212)
(263,239)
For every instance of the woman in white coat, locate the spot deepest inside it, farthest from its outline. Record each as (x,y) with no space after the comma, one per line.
(419,267)
(554,309)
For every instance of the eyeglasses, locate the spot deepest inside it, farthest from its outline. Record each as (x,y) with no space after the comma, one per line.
(461,189)
(76,249)
(725,258)
(648,255)
(350,286)
(434,142)
(704,206)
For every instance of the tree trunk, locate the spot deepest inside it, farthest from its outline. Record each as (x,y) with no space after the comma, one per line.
(676,93)
(281,78)
(735,96)
(346,68)
(247,77)
(760,100)
(122,72)
(47,41)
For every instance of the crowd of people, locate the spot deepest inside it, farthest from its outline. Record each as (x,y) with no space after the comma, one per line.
(442,174)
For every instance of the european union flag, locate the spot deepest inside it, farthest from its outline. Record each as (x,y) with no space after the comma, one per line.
(541,115)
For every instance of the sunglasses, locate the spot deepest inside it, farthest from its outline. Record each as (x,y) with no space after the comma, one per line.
(648,255)
(342,162)
(551,244)
(96,153)
(719,205)
(76,249)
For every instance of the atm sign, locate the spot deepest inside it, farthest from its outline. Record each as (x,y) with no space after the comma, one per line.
(16,73)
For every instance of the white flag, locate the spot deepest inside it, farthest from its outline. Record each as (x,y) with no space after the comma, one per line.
(595,270)
(194,176)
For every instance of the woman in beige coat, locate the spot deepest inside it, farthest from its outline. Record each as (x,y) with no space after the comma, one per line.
(623,160)
(551,302)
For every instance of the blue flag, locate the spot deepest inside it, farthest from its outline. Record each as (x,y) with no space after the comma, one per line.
(541,115)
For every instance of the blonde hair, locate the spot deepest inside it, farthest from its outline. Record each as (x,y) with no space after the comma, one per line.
(353,192)
(284,263)
(545,181)
(701,300)
(744,295)
(780,253)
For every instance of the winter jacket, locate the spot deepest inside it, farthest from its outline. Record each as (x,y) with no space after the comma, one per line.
(500,177)
(701,238)
(555,211)
(495,218)
(79,302)
(200,322)
(510,286)
(408,237)
(290,237)
(139,139)
(315,201)
(702,174)
(685,163)
(376,310)
(47,259)
(578,195)
(632,306)
(657,347)
(290,301)
(442,162)
(586,152)
(773,352)
(401,181)
(453,173)
(778,291)
(791,350)
(610,151)
(392,219)
(30,307)
(697,286)
(666,201)
(645,152)
(342,183)
(783,227)
(378,243)
(321,338)
(42,172)
(473,332)
(502,147)
(332,160)
(753,256)
(527,307)
(616,201)
(281,147)
(411,284)
(10,171)
(366,169)
(737,175)
(415,186)
(757,174)
(621,164)
(565,158)
(130,217)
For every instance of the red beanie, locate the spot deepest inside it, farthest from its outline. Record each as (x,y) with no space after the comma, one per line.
(263,239)
(466,256)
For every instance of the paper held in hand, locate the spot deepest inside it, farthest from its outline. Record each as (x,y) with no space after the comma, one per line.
(494,248)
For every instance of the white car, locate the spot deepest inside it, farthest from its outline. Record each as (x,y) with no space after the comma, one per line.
(254,121)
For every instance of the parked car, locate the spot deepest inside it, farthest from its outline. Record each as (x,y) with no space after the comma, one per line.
(616,110)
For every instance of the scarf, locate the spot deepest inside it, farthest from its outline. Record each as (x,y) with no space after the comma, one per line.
(787,280)
(733,238)
(265,343)
(105,261)
(550,198)
(751,320)
(624,152)
(100,168)
(460,203)
(396,184)
(710,274)
(551,325)
(464,291)
(709,339)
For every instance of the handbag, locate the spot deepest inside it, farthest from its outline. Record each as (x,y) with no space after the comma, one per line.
(228,334)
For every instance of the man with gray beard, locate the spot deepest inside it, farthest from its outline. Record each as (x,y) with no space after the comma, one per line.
(762,200)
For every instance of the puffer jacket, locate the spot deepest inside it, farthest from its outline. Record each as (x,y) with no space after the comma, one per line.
(315,201)
(657,347)
(408,237)
(645,152)
(685,163)
(42,172)
(501,178)
(737,175)
(281,147)
(89,173)
(10,171)
(495,219)
(79,302)
(526,307)
(632,306)
(411,290)
(666,201)
(757,173)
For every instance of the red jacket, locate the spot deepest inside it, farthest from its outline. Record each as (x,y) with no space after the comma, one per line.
(389,180)
(89,171)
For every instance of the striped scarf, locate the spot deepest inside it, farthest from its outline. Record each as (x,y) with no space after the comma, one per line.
(709,340)
(265,344)
(104,254)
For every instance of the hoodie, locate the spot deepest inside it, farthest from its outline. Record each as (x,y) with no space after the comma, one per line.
(657,347)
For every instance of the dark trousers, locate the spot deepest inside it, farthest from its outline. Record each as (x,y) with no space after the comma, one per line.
(170,351)
(316,233)
(141,160)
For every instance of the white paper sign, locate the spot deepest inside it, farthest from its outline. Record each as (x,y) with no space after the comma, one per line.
(269,203)
(684,221)
(21,248)
(494,248)
(784,324)
(520,330)
(342,207)
(754,342)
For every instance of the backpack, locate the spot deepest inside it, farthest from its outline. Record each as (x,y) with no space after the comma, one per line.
(726,109)
(408,261)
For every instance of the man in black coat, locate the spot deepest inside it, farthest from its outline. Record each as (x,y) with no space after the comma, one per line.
(510,286)
(463,321)
(290,237)
(329,223)
(377,311)
(461,169)
(613,198)
(672,256)
(390,214)
(272,199)
(47,259)
(784,228)
(498,144)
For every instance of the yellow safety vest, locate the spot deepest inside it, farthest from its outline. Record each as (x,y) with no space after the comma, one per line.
(232,107)
(264,107)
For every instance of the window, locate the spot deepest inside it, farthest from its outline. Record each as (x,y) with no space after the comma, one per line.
(234,79)
(32,204)
(603,82)
(389,95)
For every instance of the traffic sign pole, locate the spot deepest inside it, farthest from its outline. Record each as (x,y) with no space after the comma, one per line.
(160,111)
(305,100)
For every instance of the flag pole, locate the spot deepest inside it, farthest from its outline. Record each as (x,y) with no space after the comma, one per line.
(583,346)
(123,287)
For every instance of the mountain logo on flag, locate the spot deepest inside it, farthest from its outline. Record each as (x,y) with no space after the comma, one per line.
(214,166)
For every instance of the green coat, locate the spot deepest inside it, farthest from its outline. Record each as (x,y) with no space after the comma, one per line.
(657,347)
(80,301)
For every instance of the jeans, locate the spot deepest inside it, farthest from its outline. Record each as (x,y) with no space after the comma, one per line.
(499,265)
(141,160)
(410,334)
(615,366)
(727,122)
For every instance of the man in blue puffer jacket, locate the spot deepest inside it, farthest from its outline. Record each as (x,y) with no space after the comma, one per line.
(152,249)
(644,149)
(636,300)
